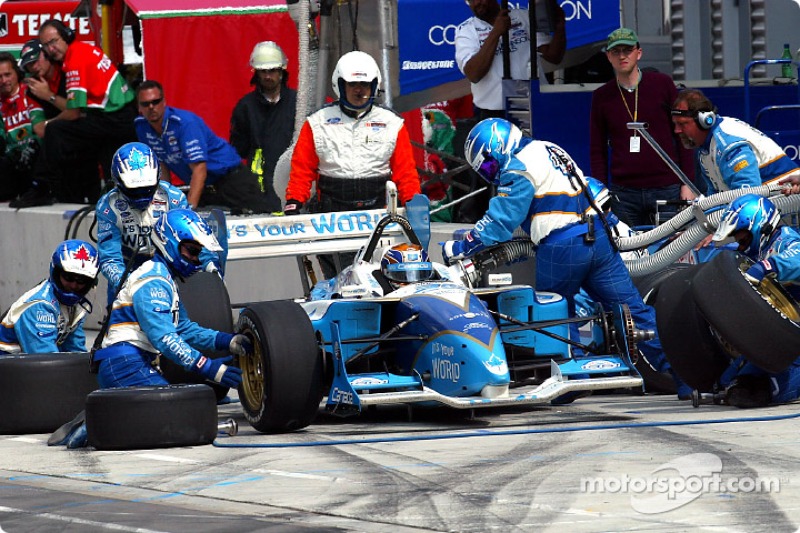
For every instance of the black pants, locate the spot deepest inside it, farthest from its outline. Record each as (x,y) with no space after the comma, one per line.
(13,181)
(75,148)
(238,190)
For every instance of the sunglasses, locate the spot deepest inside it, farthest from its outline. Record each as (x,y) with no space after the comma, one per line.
(151,103)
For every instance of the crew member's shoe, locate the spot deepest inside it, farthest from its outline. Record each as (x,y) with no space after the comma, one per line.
(748,391)
(78,438)
(60,436)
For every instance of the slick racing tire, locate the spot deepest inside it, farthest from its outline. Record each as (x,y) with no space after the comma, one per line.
(282,381)
(648,287)
(206,300)
(690,346)
(40,392)
(648,284)
(759,322)
(130,418)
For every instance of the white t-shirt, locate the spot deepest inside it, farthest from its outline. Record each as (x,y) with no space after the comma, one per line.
(471,34)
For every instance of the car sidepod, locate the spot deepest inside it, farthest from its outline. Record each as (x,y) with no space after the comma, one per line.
(460,351)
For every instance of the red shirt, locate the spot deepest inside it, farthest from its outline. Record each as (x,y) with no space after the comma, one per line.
(92,80)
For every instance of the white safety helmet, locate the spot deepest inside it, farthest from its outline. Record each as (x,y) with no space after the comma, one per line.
(267,55)
(356,66)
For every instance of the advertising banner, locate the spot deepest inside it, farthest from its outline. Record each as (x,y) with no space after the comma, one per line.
(20,21)
(427,33)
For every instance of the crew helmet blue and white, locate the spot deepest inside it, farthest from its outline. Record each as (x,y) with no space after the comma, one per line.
(489,146)
(598,191)
(183,227)
(75,259)
(753,213)
(406,263)
(135,171)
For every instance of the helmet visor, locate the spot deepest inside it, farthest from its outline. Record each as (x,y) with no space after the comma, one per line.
(409,272)
(487,167)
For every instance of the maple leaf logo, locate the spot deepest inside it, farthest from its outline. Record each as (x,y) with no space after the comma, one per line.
(82,254)
(137,160)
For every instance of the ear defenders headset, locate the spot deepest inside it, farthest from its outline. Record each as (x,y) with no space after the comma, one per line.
(66,33)
(704,119)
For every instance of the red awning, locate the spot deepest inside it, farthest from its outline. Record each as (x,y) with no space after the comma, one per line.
(175,8)
(200,50)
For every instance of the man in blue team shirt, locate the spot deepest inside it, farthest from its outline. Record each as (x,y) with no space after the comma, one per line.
(210,166)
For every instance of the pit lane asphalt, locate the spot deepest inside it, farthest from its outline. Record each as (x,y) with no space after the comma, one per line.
(429,470)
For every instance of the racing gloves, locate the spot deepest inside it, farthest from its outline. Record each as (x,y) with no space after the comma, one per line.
(292,207)
(240,345)
(217,371)
(760,270)
(455,250)
(236,344)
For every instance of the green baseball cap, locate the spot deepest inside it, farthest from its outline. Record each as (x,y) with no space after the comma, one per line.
(624,36)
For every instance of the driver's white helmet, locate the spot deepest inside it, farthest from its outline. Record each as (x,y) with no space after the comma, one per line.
(356,66)
(267,55)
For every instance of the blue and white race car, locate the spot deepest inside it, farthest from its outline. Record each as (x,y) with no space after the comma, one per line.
(435,342)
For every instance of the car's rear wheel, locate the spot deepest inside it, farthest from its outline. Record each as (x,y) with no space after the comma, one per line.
(760,322)
(206,300)
(282,380)
(686,337)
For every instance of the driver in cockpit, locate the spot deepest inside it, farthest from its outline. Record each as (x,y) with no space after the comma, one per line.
(402,264)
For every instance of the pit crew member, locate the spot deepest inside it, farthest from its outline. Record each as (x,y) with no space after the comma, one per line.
(731,154)
(49,317)
(754,223)
(541,189)
(126,214)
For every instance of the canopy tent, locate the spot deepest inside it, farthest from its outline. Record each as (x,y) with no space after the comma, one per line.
(199,50)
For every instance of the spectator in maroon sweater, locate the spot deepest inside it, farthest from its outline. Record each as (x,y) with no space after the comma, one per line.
(636,175)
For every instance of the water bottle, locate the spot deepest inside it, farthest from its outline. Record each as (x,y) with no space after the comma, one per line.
(787,68)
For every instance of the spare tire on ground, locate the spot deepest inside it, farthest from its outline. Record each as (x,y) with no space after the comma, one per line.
(40,392)
(129,418)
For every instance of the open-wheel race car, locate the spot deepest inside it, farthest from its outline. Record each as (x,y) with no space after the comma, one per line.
(358,342)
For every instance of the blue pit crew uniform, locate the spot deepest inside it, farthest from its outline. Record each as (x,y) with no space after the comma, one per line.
(38,323)
(782,255)
(121,228)
(736,155)
(537,193)
(147,319)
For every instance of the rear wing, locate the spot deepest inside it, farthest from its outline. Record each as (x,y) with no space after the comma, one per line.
(321,233)
(318,233)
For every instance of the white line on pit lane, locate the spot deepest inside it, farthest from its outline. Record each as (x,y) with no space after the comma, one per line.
(72,520)
(167,458)
(295,474)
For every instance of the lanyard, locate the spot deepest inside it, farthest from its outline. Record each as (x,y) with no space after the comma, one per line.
(635,113)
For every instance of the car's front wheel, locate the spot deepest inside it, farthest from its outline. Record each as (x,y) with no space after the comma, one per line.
(282,380)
